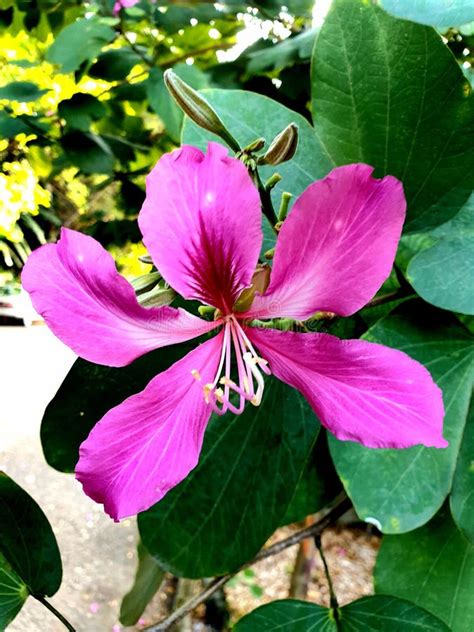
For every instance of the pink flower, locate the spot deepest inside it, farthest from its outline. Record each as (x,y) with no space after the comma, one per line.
(123,4)
(201,223)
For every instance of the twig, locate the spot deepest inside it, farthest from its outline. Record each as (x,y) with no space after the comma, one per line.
(220,45)
(332,595)
(309,532)
(56,613)
(386,298)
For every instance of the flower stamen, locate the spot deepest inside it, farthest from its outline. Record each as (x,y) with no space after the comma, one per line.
(250,366)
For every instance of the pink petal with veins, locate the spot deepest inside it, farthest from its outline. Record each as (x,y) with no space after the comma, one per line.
(201,223)
(361,391)
(75,286)
(336,247)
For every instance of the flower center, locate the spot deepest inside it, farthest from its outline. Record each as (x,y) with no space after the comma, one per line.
(249,371)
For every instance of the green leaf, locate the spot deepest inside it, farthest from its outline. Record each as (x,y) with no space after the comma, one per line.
(114,65)
(318,485)
(392,95)
(10,126)
(224,511)
(400,490)
(462,495)
(81,110)
(442,273)
(21,91)
(89,152)
(87,393)
(434,12)
(434,567)
(369,614)
(27,541)
(258,116)
(136,91)
(13,593)
(161,101)
(148,579)
(290,51)
(79,42)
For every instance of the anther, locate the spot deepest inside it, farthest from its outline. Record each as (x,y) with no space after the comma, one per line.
(196,375)
(207,390)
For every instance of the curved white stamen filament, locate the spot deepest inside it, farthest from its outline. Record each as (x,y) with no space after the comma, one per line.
(249,371)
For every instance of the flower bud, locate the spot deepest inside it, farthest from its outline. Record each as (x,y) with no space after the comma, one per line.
(255,145)
(145,282)
(157,297)
(283,147)
(197,108)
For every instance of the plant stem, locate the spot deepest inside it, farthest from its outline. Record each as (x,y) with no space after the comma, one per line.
(315,529)
(332,595)
(265,197)
(56,613)
(386,298)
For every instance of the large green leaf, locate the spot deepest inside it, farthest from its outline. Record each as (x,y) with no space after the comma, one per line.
(81,110)
(435,12)
(87,393)
(27,541)
(21,91)
(13,593)
(369,614)
(389,93)
(462,495)
(443,273)
(148,579)
(224,511)
(115,64)
(79,42)
(318,485)
(434,567)
(400,490)
(89,152)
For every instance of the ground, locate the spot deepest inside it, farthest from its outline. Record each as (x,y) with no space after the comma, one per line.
(99,556)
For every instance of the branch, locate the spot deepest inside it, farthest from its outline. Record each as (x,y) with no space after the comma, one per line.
(218,45)
(309,532)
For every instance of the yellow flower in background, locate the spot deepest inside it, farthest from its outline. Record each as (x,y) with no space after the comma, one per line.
(20,192)
(127,259)
(22,48)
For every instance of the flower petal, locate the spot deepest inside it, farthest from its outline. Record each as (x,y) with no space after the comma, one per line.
(361,391)
(201,223)
(336,247)
(75,286)
(145,446)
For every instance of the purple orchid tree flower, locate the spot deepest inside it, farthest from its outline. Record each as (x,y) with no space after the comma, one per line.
(201,223)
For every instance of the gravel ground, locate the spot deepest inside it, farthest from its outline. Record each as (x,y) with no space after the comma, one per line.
(99,556)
